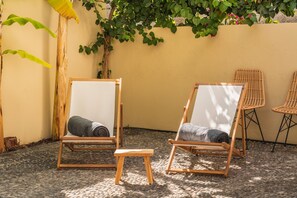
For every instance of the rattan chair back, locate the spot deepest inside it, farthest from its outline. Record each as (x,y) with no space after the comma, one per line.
(291,100)
(255,96)
(288,109)
(290,105)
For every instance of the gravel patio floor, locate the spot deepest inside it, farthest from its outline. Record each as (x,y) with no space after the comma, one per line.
(31,172)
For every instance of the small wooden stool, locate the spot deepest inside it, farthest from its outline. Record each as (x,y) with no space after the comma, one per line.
(145,153)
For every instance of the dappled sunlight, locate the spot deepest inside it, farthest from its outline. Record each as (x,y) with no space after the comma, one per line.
(214,106)
(255,179)
(92,190)
(206,162)
(290,178)
(261,174)
(236,167)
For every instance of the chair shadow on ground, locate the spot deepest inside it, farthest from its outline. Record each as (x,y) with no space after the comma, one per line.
(32,172)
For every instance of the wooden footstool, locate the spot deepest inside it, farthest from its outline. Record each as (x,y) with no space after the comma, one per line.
(145,153)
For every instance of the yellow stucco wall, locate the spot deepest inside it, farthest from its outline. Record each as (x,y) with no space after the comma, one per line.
(28,88)
(156,80)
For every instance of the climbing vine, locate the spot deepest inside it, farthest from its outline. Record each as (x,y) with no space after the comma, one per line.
(126,18)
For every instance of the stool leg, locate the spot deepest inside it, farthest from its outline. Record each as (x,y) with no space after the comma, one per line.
(148,169)
(119,169)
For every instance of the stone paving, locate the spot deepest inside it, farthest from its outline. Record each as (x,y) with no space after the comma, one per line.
(31,172)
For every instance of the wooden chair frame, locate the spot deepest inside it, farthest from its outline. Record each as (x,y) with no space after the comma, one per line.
(289,109)
(254,98)
(210,148)
(115,141)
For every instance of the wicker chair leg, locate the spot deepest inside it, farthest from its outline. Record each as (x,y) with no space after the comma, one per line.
(288,129)
(250,116)
(286,122)
(258,123)
(279,130)
(245,130)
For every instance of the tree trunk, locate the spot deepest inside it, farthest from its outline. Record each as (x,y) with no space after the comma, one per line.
(1,69)
(105,58)
(107,44)
(59,119)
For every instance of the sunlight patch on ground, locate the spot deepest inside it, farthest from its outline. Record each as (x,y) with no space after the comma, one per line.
(235,167)
(254,179)
(94,190)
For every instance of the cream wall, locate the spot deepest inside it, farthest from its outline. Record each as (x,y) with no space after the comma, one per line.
(156,80)
(27,89)
(25,100)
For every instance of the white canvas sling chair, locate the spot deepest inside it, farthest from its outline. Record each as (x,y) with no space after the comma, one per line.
(97,100)
(217,106)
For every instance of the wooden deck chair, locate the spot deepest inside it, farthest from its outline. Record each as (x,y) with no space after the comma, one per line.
(254,98)
(97,100)
(289,109)
(215,107)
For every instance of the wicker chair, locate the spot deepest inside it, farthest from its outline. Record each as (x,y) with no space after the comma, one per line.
(288,109)
(255,96)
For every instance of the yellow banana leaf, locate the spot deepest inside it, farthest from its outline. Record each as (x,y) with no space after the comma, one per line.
(64,8)
(11,19)
(28,56)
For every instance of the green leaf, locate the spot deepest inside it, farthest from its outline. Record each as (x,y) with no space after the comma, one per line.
(81,49)
(282,6)
(254,18)
(183,12)
(205,4)
(227,3)
(94,48)
(215,3)
(186,13)
(292,5)
(249,22)
(223,7)
(196,20)
(24,20)
(28,56)
(173,28)
(64,8)
(177,8)
(88,50)
(146,40)
(148,4)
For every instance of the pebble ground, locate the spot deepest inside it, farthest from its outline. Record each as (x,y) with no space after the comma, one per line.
(31,172)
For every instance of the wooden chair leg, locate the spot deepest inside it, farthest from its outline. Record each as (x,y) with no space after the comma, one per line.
(121,128)
(119,169)
(171,159)
(60,155)
(70,146)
